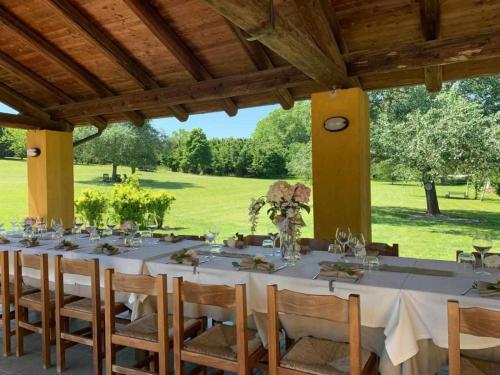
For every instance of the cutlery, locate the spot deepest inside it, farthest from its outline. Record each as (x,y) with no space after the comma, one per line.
(316,276)
(474,284)
(279,268)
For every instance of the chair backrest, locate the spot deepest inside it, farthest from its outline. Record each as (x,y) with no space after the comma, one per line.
(384,249)
(326,307)
(215,295)
(315,243)
(256,239)
(192,237)
(36,262)
(473,321)
(81,267)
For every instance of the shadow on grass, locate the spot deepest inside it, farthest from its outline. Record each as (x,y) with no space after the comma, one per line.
(145,182)
(405,217)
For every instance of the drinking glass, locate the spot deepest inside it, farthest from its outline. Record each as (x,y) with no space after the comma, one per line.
(274,237)
(465,259)
(482,244)
(371,262)
(15,224)
(78,224)
(94,235)
(342,237)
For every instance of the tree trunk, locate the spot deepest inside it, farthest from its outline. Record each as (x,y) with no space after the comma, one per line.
(113,175)
(431,198)
(133,169)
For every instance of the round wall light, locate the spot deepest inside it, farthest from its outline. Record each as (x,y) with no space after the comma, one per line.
(336,124)
(33,152)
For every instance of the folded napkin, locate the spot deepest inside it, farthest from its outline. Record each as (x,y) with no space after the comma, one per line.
(184,256)
(340,270)
(489,290)
(258,262)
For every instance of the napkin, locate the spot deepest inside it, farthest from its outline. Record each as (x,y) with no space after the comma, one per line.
(490,290)
(258,262)
(340,270)
(184,256)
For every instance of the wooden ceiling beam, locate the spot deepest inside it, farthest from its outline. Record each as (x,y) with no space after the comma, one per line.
(30,77)
(54,54)
(430,21)
(8,120)
(261,61)
(21,103)
(428,53)
(215,89)
(283,37)
(168,37)
(83,23)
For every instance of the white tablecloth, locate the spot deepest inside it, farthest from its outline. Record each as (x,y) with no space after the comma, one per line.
(410,308)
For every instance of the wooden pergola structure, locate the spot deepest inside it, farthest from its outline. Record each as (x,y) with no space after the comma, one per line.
(65,63)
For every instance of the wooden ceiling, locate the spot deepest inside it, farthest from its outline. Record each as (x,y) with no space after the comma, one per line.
(73,62)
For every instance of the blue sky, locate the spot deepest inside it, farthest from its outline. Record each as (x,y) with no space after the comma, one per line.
(215,125)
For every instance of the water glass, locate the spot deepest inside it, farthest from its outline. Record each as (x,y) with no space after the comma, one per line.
(482,244)
(94,235)
(371,262)
(465,259)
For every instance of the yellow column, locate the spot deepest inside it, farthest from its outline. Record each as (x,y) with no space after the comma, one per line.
(50,176)
(341,164)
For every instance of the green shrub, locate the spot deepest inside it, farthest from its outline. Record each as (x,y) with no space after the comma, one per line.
(158,204)
(129,201)
(92,205)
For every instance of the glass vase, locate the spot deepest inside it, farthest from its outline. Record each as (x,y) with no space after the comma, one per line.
(289,247)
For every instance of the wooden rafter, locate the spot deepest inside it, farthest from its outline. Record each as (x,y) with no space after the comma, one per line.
(215,89)
(283,37)
(8,120)
(21,103)
(83,23)
(430,21)
(422,54)
(260,59)
(59,57)
(167,36)
(333,32)
(30,77)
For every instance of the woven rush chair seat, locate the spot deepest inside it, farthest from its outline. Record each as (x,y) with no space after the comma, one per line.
(320,356)
(474,366)
(220,341)
(37,297)
(85,305)
(146,328)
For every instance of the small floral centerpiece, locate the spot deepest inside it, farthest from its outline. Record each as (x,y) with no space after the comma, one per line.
(286,203)
(107,249)
(30,242)
(185,256)
(3,239)
(66,245)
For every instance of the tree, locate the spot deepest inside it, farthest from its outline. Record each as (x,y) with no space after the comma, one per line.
(300,161)
(121,144)
(173,148)
(196,156)
(14,143)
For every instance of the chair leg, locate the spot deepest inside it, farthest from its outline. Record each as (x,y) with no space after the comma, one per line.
(97,346)
(110,357)
(61,326)
(6,329)
(46,337)
(20,317)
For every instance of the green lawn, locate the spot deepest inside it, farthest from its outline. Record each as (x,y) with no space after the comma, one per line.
(202,200)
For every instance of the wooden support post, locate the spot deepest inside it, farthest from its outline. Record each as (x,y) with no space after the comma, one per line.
(341,164)
(50,176)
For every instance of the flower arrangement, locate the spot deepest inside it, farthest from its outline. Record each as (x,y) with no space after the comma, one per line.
(258,262)
(185,256)
(286,202)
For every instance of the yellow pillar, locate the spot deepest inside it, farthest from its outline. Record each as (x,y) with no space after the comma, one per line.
(50,176)
(341,164)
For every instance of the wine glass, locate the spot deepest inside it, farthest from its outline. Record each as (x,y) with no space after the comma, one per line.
(342,237)
(274,237)
(482,244)
(14,223)
(77,224)
(152,225)
(357,245)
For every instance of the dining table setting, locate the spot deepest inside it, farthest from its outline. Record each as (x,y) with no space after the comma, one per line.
(403,300)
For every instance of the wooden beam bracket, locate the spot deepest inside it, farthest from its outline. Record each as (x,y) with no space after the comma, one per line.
(266,31)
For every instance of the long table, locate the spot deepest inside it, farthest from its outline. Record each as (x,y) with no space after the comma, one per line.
(403,315)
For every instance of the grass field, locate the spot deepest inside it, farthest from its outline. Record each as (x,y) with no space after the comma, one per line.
(202,200)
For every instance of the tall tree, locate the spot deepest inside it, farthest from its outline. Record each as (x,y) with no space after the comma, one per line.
(196,156)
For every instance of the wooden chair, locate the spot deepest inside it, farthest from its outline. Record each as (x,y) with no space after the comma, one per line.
(314,244)
(215,347)
(473,321)
(383,249)
(6,298)
(313,355)
(257,239)
(87,309)
(150,333)
(42,301)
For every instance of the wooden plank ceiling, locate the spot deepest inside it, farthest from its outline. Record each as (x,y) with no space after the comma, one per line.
(73,62)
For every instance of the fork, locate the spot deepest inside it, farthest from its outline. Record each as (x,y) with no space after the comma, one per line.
(473,286)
